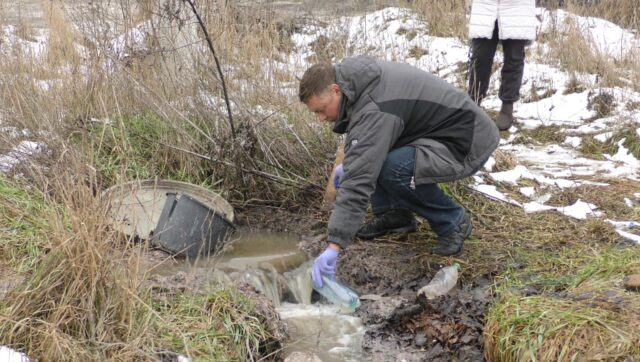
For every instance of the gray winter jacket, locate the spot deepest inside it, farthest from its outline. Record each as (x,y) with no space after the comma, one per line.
(389,105)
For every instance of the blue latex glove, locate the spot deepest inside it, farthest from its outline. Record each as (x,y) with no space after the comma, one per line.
(325,264)
(337,177)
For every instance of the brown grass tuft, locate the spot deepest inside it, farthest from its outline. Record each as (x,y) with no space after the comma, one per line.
(444,18)
(504,160)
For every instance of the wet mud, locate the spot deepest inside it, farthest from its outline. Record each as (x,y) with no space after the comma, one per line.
(387,274)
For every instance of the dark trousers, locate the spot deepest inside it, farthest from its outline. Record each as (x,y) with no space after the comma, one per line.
(395,191)
(482,53)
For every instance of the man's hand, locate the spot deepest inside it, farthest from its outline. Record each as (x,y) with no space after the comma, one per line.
(337,177)
(325,264)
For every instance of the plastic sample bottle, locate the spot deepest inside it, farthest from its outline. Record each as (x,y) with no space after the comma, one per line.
(444,280)
(338,294)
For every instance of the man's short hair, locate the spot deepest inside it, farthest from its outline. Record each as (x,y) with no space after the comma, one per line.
(317,79)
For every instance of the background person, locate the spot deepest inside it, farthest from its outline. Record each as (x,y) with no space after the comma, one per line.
(513,24)
(406,130)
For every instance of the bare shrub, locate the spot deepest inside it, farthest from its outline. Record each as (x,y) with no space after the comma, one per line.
(148,60)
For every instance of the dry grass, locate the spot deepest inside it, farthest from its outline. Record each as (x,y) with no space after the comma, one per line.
(504,160)
(622,12)
(159,106)
(81,301)
(627,131)
(558,281)
(85,297)
(444,18)
(573,51)
(170,81)
(589,320)
(542,135)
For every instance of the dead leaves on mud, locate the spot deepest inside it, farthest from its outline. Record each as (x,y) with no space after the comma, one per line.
(447,328)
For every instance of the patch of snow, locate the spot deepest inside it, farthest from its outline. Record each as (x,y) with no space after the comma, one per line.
(627,235)
(602,35)
(629,224)
(559,109)
(35,46)
(531,207)
(512,176)
(579,210)
(528,191)
(568,162)
(21,151)
(490,164)
(603,137)
(492,192)
(623,155)
(11,355)
(14,132)
(394,34)
(573,141)
(131,41)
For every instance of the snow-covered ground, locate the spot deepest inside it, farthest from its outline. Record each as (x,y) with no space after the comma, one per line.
(401,35)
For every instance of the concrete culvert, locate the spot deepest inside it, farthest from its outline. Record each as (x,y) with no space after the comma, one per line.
(181,218)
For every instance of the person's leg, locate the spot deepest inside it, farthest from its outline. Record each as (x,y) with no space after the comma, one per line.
(389,216)
(446,218)
(512,70)
(426,200)
(480,63)
(511,80)
(381,201)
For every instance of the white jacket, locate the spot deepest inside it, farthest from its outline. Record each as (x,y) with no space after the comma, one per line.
(516,19)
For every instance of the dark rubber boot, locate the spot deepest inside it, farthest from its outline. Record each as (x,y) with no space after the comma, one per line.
(505,117)
(392,221)
(452,243)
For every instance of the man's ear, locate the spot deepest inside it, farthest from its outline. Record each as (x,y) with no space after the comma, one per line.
(335,88)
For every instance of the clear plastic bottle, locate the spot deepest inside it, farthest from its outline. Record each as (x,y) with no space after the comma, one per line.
(338,294)
(444,280)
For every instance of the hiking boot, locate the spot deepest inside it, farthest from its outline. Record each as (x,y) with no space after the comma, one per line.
(451,244)
(505,117)
(392,221)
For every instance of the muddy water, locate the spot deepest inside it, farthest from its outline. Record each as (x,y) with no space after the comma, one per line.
(324,331)
(274,265)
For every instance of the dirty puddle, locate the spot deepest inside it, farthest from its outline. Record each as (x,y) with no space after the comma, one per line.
(276,267)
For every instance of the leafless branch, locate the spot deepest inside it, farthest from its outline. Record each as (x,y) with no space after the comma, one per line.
(215,57)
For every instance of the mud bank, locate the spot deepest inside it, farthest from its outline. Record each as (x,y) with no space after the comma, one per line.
(387,274)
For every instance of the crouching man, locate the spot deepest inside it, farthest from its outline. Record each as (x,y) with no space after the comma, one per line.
(406,131)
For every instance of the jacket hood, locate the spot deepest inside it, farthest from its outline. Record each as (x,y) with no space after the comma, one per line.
(354,76)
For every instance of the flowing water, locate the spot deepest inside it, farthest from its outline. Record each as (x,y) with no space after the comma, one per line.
(273,264)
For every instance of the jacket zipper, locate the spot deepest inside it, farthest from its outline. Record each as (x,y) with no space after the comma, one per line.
(412,183)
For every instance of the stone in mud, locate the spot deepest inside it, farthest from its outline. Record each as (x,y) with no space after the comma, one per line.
(632,282)
(383,310)
(302,357)
(420,340)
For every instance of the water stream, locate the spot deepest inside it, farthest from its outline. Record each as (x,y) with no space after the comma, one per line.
(273,264)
